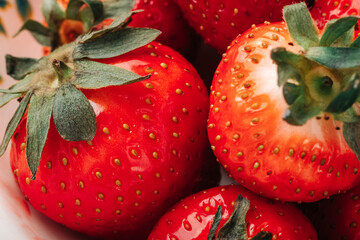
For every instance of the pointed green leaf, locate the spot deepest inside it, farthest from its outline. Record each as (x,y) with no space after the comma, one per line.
(24,8)
(14,122)
(37,128)
(95,13)
(117,42)
(301,111)
(262,236)
(338,28)
(53,13)
(235,227)
(94,75)
(286,72)
(2,28)
(41,34)
(336,58)
(18,68)
(346,98)
(113,8)
(74,117)
(301,26)
(23,84)
(3,3)
(215,224)
(351,132)
(356,43)
(349,116)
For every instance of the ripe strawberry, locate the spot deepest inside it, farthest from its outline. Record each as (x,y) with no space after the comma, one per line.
(108,160)
(193,217)
(325,10)
(313,159)
(219,22)
(337,217)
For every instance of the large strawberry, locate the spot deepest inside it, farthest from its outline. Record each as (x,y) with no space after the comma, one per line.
(325,10)
(107,160)
(219,22)
(336,218)
(66,20)
(231,212)
(301,152)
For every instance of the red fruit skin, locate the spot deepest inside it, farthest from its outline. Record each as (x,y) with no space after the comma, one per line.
(84,187)
(219,22)
(255,146)
(193,217)
(338,217)
(325,10)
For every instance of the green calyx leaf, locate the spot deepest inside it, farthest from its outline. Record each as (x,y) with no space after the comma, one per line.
(14,122)
(74,117)
(216,223)
(91,14)
(235,227)
(337,29)
(53,13)
(262,236)
(335,57)
(41,34)
(114,8)
(301,26)
(15,91)
(114,43)
(92,75)
(37,126)
(347,97)
(351,132)
(63,72)
(18,68)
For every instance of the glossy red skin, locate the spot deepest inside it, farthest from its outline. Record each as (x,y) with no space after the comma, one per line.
(161,181)
(182,222)
(245,127)
(325,10)
(219,22)
(338,217)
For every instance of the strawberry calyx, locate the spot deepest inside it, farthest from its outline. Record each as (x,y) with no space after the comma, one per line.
(325,75)
(65,25)
(50,86)
(235,227)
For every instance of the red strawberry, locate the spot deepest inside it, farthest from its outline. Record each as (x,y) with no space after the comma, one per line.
(131,151)
(246,126)
(338,217)
(219,22)
(193,217)
(325,10)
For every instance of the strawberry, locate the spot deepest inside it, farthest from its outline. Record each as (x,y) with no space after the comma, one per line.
(108,159)
(226,210)
(219,22)
(337,217)
(66,20)
(299,142)
(325,10)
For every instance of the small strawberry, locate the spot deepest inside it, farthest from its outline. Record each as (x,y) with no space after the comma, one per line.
(219,22)
(299,142)
(65,20)
(325,10)
(95,148)
(231,212)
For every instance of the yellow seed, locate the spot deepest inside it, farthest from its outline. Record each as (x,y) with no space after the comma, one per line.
(175,135)
(43,206)
(175,119)
(126,127)
(174,152)
(98,210)
(75,151)
(61,205)
(223,98)
(207,209)
(188,84)
(81,184)
(65,161)
(138,192)
(137,204)
(106,131)
(184,110)
(228,124)
(150,46)
(153,54)
(120,198)
(179,91)
(118,182)
(22,146)
(43,189)
(134,153)
(256,165)
(236,11)
(164,65)
(201,28)
(101,196)
(146,117)
(98,174)
(149,85)
(157,175)
(62,185)
(117,161)
(152,136)
(79,215)
(48,165)
(16,172)
(239,154)
(89,143)
(155,155)
(148,101)
(27,180)
(61,216)
(274,37)
(118,212)
(218,137)
(156,192)
(78,202)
